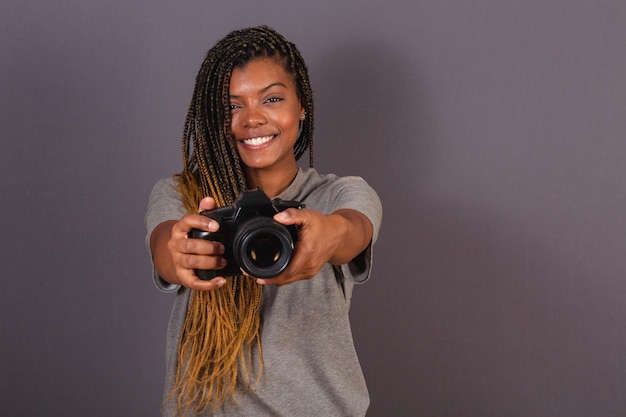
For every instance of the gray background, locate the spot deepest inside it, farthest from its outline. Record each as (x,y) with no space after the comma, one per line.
(494,132)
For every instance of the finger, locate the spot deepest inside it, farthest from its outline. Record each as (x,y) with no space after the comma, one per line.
(273,281)
(193,261)
(190,280)
(291,216)
(258,280)
(185,245)
(286,277)
(199,247)
(193,221)
(207,203)
(277,280)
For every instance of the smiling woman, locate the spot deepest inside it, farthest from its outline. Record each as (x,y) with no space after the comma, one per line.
(239,345)
(266,113)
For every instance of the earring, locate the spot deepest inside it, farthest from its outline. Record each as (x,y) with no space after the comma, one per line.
(302,116)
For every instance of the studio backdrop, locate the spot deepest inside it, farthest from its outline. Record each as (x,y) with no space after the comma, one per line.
(493,131)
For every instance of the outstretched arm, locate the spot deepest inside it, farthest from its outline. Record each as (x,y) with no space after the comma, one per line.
(175,256)
(335,238)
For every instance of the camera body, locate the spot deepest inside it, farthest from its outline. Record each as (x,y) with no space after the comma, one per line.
(253,240)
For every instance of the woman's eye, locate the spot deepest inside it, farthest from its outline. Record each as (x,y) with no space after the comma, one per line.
(274,99)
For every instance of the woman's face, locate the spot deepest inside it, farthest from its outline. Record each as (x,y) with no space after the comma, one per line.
(265,115)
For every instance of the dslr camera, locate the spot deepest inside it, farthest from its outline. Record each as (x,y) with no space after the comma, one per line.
(253,240)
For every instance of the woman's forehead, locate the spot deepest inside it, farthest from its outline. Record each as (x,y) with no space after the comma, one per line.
(260,73)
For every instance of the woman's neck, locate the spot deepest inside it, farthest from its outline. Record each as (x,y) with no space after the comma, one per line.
(272,182)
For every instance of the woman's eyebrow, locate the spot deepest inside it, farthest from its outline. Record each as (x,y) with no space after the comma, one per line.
(264,89)
(276,84)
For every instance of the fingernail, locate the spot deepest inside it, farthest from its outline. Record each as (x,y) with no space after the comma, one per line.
(221,282)
(260,281)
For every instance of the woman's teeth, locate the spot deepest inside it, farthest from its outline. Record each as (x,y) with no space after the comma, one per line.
(258,141)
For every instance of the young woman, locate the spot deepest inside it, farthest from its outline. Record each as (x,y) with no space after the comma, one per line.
(241,345)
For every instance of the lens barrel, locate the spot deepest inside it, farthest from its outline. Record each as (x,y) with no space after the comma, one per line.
(263,247)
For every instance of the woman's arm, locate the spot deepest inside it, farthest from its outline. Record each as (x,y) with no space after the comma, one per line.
(335,238)
(175,256)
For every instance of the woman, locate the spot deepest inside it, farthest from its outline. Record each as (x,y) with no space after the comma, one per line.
(241,345)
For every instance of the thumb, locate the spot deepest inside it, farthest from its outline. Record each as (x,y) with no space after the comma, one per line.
(289,216)
(207,203)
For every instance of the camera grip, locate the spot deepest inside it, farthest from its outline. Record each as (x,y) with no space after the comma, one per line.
(203,274)
(202,234)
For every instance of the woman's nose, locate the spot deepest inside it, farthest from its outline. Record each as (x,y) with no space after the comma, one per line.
(254,117)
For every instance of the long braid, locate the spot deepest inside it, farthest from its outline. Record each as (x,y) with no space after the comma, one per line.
(222,326)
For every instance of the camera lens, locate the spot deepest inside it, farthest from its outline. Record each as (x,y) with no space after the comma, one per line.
(263,247)
(264,250)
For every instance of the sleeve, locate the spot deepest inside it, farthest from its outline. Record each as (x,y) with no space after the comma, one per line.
(164,204)
(354,193)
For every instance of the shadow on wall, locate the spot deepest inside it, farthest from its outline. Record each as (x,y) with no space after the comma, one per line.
(372,116)
(468,312)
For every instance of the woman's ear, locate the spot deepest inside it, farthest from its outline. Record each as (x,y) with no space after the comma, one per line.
(302,112)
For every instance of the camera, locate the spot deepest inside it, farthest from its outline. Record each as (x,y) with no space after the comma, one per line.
(253,240)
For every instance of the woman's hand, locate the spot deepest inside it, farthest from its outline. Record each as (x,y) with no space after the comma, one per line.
(176,256)
(336,238)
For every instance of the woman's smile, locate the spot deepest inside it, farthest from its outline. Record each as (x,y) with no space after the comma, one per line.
(258,142)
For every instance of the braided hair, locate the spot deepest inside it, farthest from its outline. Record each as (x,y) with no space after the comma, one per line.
(215,353)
